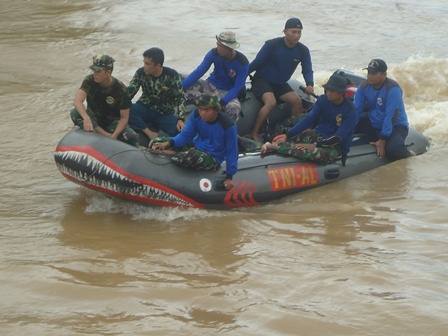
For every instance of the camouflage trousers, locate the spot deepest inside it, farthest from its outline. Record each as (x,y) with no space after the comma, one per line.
(232,108)
(128,135)
(190,157)
(321,155)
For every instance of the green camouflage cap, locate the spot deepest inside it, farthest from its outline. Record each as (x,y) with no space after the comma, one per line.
(102,61)
(208,101)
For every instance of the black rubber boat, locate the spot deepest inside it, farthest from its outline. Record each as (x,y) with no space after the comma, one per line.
(120,170)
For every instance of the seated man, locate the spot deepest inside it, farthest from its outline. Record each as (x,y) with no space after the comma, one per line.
(386,121)
(108,103)
(162,101)
(230,70)
(335,116)
(214,137)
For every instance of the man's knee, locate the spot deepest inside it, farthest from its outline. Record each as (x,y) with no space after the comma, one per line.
(130,136)
(169,128)
(292,99)
(397,152)
(297,102)
(76,117)
(269,100)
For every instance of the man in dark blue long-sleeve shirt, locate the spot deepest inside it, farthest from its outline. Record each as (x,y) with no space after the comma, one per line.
(274,65)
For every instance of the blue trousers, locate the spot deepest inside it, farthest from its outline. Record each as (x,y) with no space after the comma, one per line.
(141,115)
(395,145)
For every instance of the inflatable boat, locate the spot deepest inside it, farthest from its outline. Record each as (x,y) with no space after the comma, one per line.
(140,175)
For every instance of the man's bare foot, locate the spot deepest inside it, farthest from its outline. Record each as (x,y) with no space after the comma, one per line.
(268,147)
(412,152)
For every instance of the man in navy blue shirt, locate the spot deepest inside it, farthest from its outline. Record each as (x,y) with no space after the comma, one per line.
(381,112)
(274,65)
(335,116)
(230,70)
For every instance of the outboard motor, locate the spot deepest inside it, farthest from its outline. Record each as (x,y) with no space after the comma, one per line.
(353,81)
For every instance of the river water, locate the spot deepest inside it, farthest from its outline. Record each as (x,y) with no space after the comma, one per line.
(364,256)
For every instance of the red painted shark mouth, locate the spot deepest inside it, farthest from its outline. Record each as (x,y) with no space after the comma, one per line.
(86,166)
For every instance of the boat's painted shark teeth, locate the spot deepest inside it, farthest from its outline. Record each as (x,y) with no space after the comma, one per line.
(99,175)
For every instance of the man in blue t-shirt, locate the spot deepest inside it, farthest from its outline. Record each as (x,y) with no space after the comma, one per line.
(228,79)
(274,65)
(381,112)
(335,117)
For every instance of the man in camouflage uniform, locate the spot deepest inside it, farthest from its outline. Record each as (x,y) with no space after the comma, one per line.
(335,116)
(228,79)
(214,137)
(162,102)
(108,103)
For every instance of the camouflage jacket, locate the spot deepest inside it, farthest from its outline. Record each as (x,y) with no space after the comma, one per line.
(164,94)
